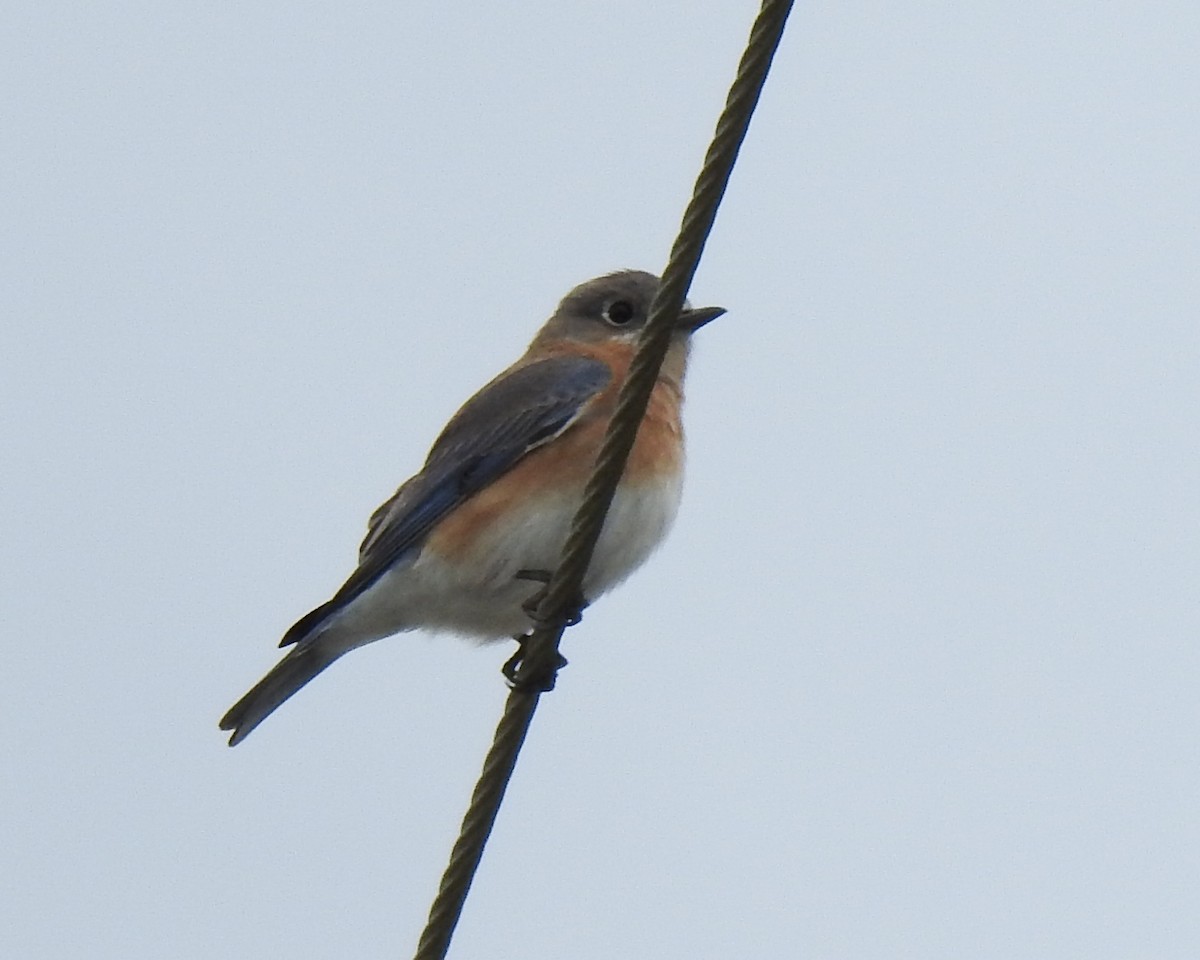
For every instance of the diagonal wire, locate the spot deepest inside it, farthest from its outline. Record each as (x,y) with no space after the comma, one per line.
(540,658)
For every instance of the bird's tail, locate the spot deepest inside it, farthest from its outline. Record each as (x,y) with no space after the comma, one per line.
(287,676)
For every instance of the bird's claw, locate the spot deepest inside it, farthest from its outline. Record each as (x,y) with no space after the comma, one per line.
(531,605)
(512,668)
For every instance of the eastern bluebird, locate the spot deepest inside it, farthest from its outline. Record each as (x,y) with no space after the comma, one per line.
(456,545)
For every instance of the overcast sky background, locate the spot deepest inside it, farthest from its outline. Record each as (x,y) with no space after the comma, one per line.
(916,675)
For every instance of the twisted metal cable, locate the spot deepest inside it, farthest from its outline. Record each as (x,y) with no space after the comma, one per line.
(561,600)
(564,590)
(477,825)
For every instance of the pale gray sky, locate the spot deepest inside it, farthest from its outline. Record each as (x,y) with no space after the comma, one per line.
(917,674)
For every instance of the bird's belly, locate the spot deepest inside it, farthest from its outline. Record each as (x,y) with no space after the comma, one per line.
(637,522)
(475,589)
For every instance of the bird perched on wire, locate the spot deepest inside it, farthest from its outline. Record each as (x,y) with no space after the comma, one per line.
(456,546)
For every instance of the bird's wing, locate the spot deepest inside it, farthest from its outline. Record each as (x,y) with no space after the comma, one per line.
(517,412)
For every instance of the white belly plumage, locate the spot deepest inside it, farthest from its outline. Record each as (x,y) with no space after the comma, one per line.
(481,596)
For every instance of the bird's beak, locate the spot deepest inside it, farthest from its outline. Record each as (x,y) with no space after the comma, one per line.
(692,320)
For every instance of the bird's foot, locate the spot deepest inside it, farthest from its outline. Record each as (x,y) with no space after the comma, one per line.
(531,605)
(542,683)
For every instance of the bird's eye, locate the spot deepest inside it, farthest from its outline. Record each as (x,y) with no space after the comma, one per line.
(618,313)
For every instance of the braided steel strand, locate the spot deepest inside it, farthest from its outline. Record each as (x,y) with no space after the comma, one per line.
(477,825)
(563,591)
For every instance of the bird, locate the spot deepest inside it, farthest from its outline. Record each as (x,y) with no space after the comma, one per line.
(455,548)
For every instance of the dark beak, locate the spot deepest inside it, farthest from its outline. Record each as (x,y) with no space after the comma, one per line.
(693,320)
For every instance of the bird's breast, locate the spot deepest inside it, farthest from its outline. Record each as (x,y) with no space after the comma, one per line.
(521,521)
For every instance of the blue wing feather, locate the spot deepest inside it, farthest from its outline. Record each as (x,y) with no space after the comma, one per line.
(514,414)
